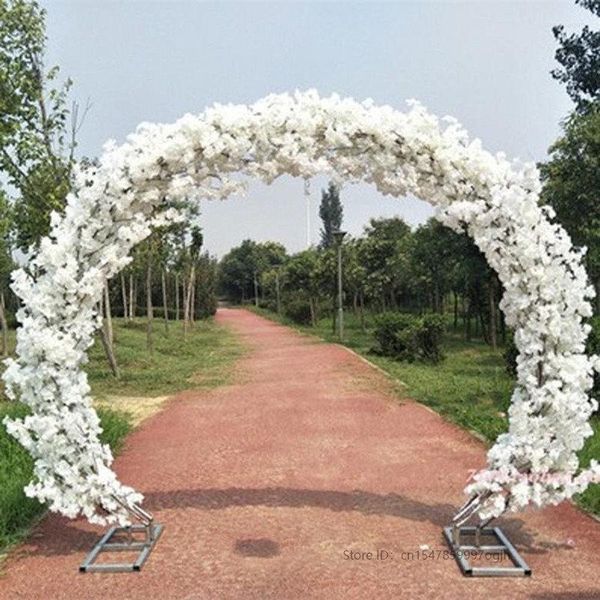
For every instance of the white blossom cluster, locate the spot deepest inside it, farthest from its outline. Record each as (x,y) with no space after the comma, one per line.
(116,203)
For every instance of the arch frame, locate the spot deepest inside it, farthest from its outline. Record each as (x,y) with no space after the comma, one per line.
(138,185)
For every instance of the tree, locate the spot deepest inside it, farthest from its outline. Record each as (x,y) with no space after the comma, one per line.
(579,59)
(36,144)
(197,239)
(354,277)
(331,212)
(236,272)
(6,266)
(572,182)
(378,248)
(432,255)
(301,280)
(241,269)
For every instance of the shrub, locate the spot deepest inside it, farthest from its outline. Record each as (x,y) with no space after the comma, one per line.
(298,310)
(406,337)
(395,335)
(429,336)
(269,304)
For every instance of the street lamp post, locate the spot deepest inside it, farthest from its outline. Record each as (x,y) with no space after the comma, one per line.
(338,236)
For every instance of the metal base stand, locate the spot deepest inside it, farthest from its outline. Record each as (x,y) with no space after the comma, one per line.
(462,550)
(143,544)
(130,544)
(498,549)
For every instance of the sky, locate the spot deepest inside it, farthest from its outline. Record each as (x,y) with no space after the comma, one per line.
(486,63)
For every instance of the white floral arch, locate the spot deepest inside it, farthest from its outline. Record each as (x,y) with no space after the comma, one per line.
(115,205)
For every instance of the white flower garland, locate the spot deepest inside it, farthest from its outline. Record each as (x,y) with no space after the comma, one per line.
(116,204)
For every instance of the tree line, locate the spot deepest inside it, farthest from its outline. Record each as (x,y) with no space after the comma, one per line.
(170,275)
(391,267)
(388,267)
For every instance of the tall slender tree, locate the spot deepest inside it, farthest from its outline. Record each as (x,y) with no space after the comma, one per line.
(331,212)
(6,266)
(37,138)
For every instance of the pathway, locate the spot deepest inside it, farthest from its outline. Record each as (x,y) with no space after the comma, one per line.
(267,486)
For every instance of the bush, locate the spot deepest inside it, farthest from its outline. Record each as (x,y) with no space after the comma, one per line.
(298,310)
(407,337)
(395,335)
(429,335)
(269,304)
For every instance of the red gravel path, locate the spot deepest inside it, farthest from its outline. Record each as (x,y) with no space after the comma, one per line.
(265,486)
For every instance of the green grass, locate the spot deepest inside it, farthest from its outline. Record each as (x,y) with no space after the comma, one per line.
(590,499)
(203,360)
(470,387)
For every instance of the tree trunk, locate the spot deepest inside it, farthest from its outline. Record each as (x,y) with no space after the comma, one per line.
(436,297)
(165,303)
(4,325)
(177,296)
(455,310)
(124,295)
(149,309)
(188,301)
(256,291)
(468,332)
(106,343)
(184,289)
(311,304)
(131,297)
(484,330)
(362,311)
(193,301)
(108,315)
(492,300)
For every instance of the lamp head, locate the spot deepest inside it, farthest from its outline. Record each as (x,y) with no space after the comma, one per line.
(338,236)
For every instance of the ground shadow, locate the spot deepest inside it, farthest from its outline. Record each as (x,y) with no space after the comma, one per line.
(261,548)
(60,536)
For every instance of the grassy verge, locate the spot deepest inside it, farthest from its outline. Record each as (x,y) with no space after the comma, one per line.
(470,387)
(202,360)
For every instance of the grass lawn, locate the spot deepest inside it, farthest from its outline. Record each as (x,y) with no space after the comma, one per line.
(203,360)
(470,387)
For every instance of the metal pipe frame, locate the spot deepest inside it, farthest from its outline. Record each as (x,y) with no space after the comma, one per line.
(459,549)
(152,532)
(519,567)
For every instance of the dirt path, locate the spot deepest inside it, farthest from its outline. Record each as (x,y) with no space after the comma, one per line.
(266,487)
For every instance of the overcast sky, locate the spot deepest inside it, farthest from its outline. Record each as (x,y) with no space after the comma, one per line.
(486,63)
